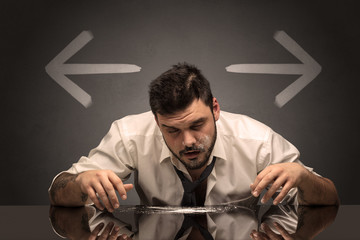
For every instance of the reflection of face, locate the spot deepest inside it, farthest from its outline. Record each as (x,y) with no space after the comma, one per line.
(190,134)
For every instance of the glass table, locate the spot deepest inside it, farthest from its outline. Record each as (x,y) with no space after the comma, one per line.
(234,221)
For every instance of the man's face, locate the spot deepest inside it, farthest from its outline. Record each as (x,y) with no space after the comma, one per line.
(190,134)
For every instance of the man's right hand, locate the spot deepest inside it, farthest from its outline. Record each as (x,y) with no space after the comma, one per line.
(103,183)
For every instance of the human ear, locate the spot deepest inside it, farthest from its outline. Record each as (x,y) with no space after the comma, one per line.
(216,109)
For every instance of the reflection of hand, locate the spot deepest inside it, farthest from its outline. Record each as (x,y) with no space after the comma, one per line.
(285,175)
(110,233)
(269,234)
(104,183)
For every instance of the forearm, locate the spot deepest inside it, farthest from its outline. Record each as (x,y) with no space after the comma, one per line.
(313,220)
(66,192)
(315,190)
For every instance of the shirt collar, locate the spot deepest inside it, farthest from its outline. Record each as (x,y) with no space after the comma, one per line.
(165,152)
(218,150)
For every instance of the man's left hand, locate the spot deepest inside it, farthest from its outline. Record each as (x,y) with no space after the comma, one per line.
(270,235)
(285,175)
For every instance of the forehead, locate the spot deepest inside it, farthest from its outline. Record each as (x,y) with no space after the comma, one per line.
(195,111)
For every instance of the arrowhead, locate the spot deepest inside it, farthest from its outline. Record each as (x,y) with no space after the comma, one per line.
(310,69)
(74,90)
(55,68)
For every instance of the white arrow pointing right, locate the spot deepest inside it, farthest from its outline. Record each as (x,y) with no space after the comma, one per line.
(309,69)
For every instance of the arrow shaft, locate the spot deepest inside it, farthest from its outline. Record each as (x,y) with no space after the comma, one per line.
(98,68)
(291,69)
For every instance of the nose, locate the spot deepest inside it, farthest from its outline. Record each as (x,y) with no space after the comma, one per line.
(189,139)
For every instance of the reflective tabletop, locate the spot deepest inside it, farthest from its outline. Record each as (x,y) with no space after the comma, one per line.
(211,222)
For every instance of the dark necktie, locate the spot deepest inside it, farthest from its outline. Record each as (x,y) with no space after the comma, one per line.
(189,198)
(190,221)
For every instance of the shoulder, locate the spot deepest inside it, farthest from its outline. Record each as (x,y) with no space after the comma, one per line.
(242,126)
(138,124)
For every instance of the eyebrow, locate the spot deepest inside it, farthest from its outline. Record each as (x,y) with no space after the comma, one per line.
(197,121)
(168,126)
(200,120)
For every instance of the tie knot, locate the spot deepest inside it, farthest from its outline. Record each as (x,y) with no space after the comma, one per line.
(189,198)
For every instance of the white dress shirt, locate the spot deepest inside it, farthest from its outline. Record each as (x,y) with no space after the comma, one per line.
(243,148)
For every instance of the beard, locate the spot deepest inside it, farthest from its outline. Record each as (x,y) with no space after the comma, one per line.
(201,160)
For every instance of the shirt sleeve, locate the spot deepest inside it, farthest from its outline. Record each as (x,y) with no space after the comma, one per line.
(277,149)
(114,153)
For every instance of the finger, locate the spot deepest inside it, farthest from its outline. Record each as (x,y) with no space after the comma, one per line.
(265,181)
(274,187)
(115,231)
(103,196)
(96,231)
(94,198)
(259,177)
(258,235)
(282,231)
(254,235)
(123,237)
(118,184)
(110,191)
(283,193)
(269,232)
(128,186)
(107,230)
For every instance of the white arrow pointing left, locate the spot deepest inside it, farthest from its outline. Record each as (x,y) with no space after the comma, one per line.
(57,69)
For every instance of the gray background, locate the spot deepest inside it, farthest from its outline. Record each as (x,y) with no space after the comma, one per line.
(44,129)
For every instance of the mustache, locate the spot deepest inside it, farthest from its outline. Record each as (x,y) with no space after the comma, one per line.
(192,148)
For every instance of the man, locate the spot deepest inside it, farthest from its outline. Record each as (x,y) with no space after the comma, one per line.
(188,153)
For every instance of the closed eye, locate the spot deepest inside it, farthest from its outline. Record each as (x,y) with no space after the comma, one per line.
(173,130)
(198,124)
(196,127)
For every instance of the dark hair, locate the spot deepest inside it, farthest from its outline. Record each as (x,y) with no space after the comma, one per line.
(177,88)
